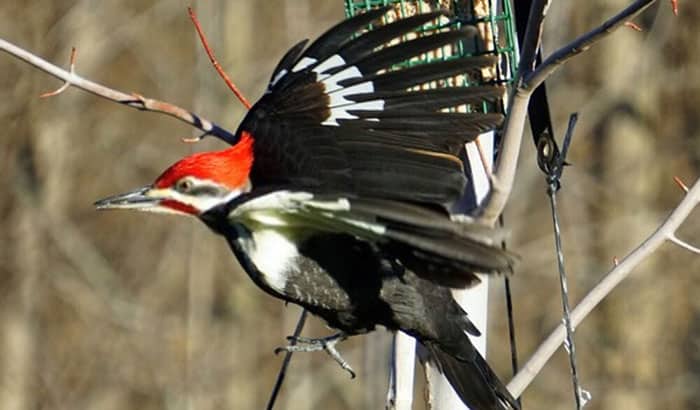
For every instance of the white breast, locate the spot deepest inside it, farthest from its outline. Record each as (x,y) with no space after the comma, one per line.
(273,255)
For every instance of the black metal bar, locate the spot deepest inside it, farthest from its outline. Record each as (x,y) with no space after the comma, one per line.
(538,109)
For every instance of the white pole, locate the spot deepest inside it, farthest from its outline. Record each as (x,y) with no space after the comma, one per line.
(474,300)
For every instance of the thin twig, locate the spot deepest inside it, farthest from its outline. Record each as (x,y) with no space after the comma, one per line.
(621,271)
(681,184)
(66,84)
(215,62)
(131,100)
(683,244)
(634,26)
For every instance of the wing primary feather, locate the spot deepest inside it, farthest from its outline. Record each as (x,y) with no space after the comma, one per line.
(475,256)
(421,217)
(327,102)
(365,44)
(285,64)
(469,124)
(329,42)
(423,73)
(432,99)
(327,45)
(390,56)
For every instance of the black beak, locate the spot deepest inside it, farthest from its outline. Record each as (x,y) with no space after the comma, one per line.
(139,199)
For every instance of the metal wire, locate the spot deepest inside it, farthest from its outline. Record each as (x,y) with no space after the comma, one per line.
(285,363)
(552,162)
(511,319)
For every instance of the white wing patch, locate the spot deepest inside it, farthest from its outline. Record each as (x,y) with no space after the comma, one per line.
(330,82)
(339,104)
(332,62)
(303,63)
(286,210)
(278,77)
(338,97)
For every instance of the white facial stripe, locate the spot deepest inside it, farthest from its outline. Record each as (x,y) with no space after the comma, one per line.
(200,202)
(206,202)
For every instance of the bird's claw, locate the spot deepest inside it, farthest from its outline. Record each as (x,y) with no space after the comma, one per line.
(327,344)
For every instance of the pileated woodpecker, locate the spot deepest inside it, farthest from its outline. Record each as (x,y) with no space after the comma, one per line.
(337,194)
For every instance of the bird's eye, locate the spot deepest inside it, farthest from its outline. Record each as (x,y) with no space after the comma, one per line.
(184,185)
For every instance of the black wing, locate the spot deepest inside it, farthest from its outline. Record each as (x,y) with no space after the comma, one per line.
(339,116)
(426,241)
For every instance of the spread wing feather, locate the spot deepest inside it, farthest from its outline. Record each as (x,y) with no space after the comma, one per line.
(344,115)
(424,240)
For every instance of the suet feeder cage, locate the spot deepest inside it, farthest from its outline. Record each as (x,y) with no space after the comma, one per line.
(493,20)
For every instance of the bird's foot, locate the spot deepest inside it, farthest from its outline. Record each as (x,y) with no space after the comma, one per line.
(327,344)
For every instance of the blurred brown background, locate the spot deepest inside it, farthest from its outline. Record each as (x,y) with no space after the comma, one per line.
(120,311)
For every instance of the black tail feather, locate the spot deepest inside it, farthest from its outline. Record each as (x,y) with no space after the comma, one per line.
(473,380)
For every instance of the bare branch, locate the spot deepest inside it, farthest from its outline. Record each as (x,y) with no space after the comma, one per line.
(683,244)
(528,80)
(132,100)
(604,287)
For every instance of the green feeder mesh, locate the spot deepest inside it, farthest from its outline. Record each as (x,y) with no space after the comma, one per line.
(493,19)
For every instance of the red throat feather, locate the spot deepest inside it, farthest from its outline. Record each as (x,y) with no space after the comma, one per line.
(229,167)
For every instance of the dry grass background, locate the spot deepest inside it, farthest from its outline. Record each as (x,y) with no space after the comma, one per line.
(120,311)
